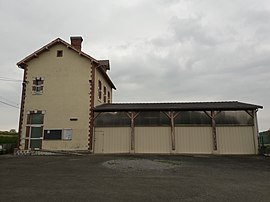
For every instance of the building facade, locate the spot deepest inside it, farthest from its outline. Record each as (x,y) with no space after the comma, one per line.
(177,128)
(61,86)
(67,105)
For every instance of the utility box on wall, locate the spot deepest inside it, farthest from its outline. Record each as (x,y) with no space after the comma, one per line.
(67,134)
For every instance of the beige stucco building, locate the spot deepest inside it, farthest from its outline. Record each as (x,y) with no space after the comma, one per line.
(61,86)
(67,105)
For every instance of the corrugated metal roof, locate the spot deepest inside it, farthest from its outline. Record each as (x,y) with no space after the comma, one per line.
(184,106)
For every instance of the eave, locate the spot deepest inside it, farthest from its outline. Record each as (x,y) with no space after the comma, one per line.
(21,64)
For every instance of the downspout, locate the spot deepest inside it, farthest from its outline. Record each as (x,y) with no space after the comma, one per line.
(256,130)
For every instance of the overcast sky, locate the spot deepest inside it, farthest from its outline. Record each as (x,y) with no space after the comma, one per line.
(159,50)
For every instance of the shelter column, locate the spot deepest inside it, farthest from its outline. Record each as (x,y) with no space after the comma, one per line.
(132,116)
(214,130)
(171,115)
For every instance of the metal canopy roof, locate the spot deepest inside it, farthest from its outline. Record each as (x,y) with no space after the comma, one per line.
(184,106)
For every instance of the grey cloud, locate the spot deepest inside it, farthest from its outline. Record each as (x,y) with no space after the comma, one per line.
(159,50)
(192,30)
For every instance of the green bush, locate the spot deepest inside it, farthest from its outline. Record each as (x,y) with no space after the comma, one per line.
(8,137)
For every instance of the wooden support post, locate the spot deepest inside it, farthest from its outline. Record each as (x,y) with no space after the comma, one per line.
(171,115)
(132,116)
(214,130)
(96,114)
(250,113)
(172,132)
(132,146)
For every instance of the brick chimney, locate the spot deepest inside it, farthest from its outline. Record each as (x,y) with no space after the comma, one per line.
(76,42)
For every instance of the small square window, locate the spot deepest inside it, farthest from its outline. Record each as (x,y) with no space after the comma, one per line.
(59,53)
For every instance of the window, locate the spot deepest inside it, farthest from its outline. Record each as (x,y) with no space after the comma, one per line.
(192,118)
(52,134)
(58,134)
(35,117)
(233,118)
(38,84)
(34,129)
(59,53)
(104,94)
(99,89)
(109,97)
(152,118)
(112,119)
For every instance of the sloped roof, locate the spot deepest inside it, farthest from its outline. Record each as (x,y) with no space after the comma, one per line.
(21,64)
(48,46)
(184,106)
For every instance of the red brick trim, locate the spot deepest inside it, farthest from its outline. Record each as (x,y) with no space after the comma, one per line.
(22,106)
(91,106)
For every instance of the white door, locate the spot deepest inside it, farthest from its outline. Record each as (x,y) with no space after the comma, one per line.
(99,142)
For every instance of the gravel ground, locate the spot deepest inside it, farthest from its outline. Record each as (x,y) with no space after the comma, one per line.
(127,165)
(134,178)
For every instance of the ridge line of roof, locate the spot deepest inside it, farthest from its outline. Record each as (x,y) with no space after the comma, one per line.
(52,43)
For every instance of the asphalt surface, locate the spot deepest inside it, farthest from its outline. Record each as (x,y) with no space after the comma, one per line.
(85,178)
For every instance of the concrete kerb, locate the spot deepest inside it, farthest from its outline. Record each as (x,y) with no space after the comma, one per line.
(47,153)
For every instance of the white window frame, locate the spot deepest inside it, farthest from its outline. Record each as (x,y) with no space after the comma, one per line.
(37,92)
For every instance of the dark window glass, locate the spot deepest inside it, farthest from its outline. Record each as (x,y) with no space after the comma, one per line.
(99,89)
(104,94)
(35,144)
(35,118)
(192,117)
(36,132)
(112,119)
(52,134)
(234,118)
(152,118)
(59,53)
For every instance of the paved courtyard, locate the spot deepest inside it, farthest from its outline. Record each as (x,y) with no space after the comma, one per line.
(134,178)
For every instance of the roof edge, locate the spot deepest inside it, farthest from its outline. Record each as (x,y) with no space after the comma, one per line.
(35,54)
(184,106)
